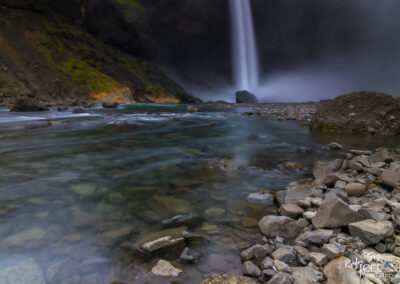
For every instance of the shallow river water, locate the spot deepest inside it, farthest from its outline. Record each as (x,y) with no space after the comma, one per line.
(78,192)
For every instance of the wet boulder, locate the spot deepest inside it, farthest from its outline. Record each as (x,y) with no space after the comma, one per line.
(110,105)
(27,104)
(245,97)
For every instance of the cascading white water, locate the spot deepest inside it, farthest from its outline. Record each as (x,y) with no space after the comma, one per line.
(245,55)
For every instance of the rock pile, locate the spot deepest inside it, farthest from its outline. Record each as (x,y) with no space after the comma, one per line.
(343,226)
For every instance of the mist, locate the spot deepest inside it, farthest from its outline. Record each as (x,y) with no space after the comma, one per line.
(310,51)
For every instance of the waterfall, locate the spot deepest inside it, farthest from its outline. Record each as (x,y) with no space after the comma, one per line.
(245,56)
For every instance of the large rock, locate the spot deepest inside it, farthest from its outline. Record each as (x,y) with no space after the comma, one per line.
(390,178)
(319,236)
(334,213)
(295,191)
(359,112)
(221,278)
(281,278)
(290,210)
(340,271)
(166,269)
(322,169)
(27,104)
(306,275)
(371,231)
(23,271)
(245,97)
(280,226)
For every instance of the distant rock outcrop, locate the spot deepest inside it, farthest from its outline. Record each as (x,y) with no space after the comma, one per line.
(359,112)
(245,97)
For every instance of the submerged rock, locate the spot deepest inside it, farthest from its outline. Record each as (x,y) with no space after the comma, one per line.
(79,110)
(110,105)
(190,220)
(245,97)
(23,271)
(162,240)
(260,198)
(189,255)
(24,237)
(166,269)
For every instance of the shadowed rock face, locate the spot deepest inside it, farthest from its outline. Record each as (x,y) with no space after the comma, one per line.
(63,54)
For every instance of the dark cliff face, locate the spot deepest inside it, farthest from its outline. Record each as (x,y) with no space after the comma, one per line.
(68,52)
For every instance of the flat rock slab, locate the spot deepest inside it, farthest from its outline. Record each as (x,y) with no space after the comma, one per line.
(166,269)
(221,278)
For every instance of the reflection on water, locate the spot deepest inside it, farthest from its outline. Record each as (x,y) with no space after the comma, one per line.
(79,193)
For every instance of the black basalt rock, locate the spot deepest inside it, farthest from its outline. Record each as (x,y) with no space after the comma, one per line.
(245,97)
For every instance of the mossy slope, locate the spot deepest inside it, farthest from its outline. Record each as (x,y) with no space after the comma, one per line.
(59,62)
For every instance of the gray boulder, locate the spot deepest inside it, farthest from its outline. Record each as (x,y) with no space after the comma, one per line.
(322,169)
(371,231)
(390,178)
(334,213)
(250,269)
(281,278)
(295,191)
(337,272)
(280,226)
(306,275)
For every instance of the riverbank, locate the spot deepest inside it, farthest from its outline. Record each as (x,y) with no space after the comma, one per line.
(340,227)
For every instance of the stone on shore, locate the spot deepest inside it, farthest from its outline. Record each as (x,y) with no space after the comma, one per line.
(27,104)
(319,236)
(291,210)
(295,191)
(281,278)
(334,213)
(250,269)
(306,275)
(355,189)
(340,271)
(221,278)
(324,168)
(284,254)
(390,178)
(166,269)
(280,226)
(371,231)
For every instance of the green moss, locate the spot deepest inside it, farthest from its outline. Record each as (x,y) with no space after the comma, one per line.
(131,3)
(88,76)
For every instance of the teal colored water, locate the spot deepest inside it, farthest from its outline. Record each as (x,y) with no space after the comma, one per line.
(77,192)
